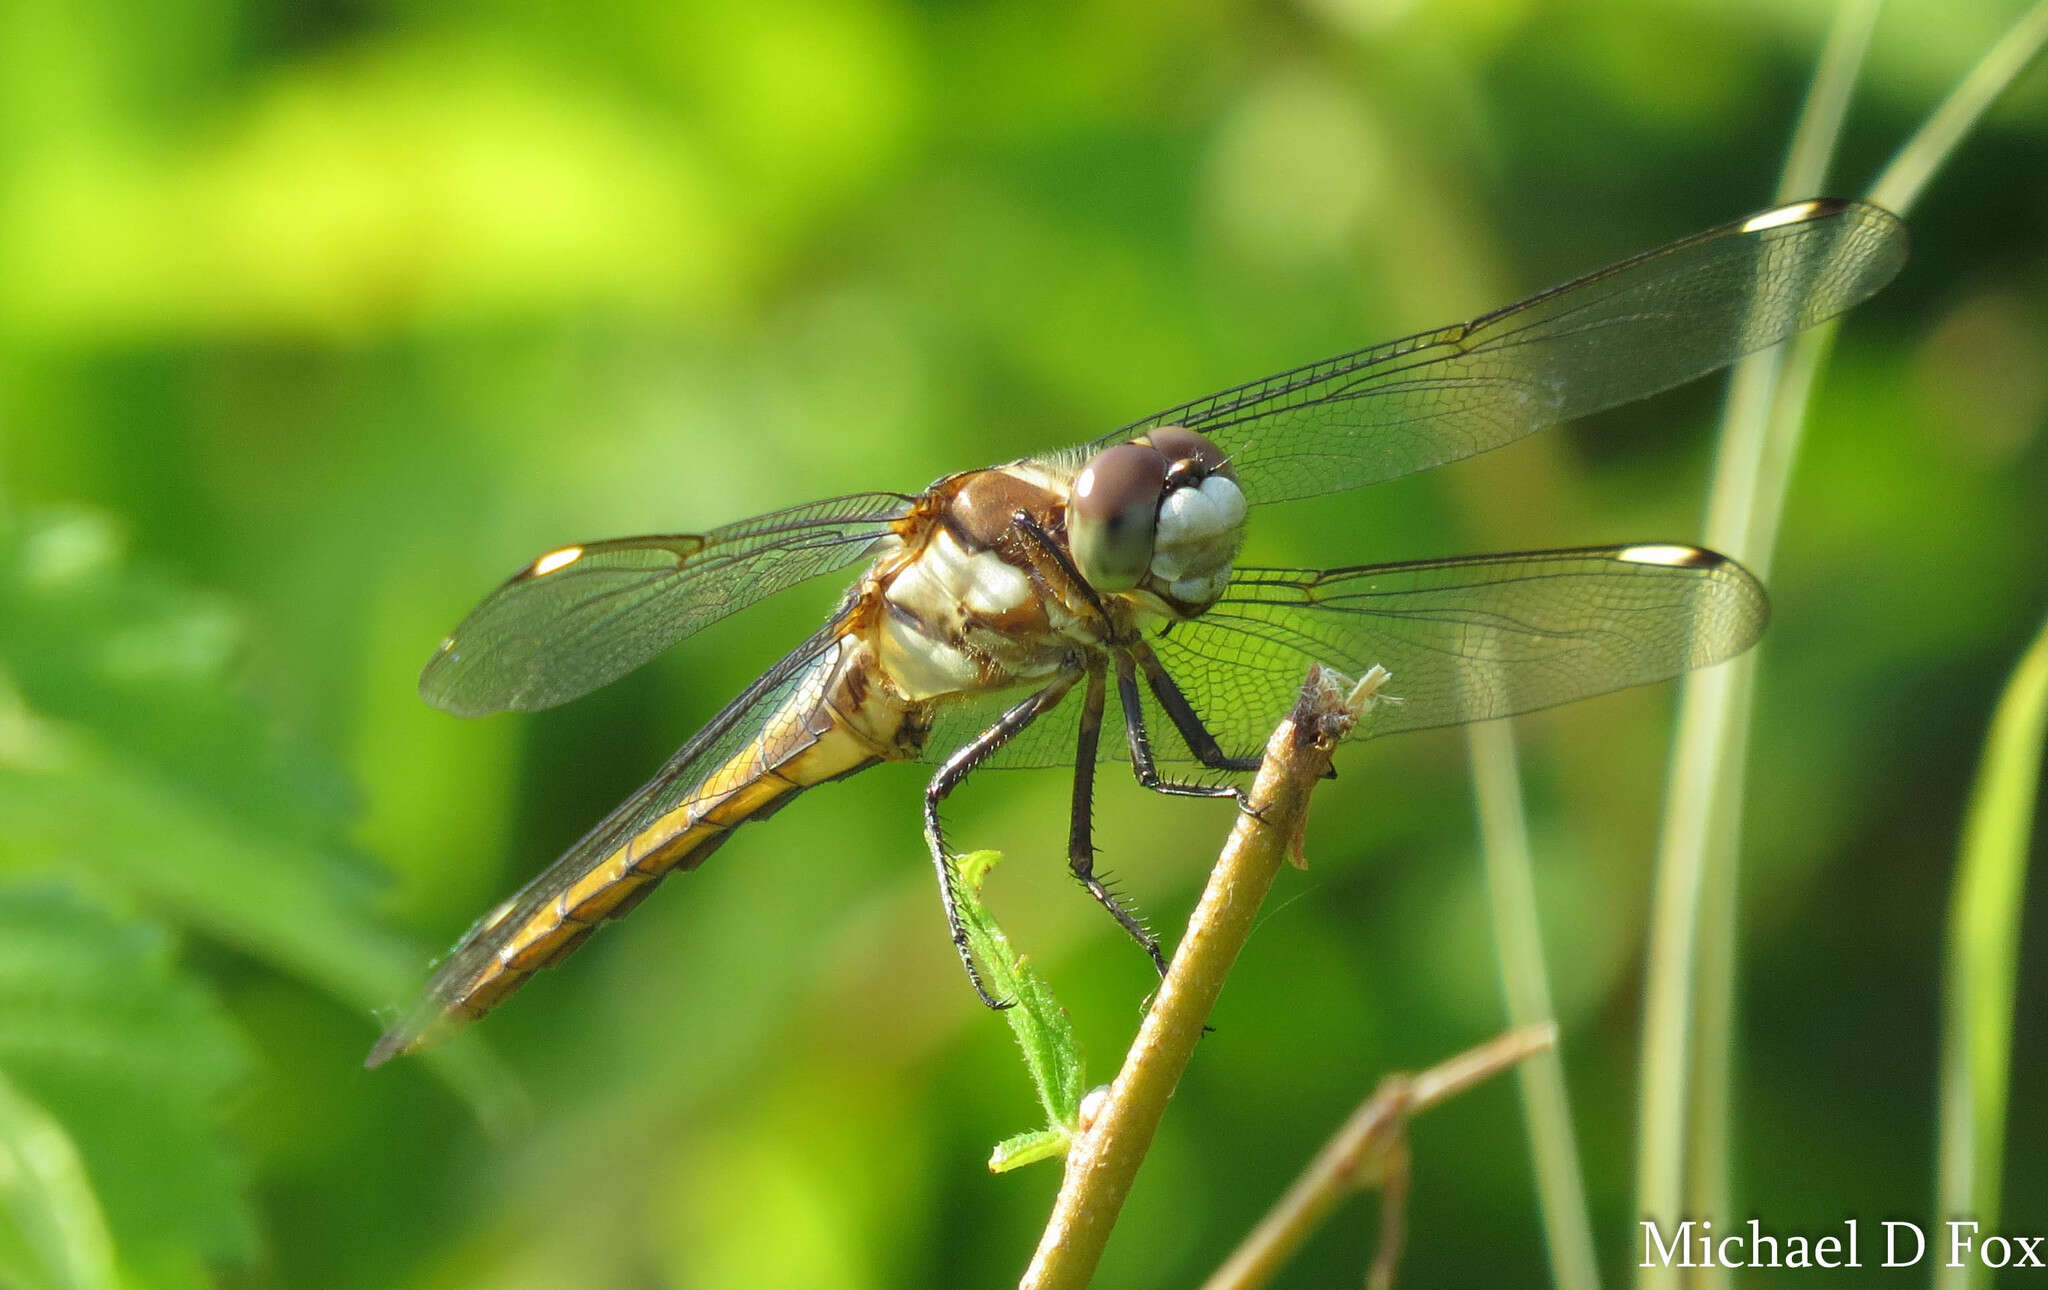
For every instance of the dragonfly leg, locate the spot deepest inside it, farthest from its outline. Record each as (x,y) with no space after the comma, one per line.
(1184,717)
(1199,740)
(1142,764)
(951,775)
(1053,551)
(1080,833)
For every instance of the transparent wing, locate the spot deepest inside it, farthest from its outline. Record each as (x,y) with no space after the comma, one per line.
(718,742)
(582,616)
(1052,740)
(1466,639)
(1623,333)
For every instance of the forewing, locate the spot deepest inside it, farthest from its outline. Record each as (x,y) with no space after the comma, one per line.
(582,616)
(1465,639)
(718,742)
(1623,333)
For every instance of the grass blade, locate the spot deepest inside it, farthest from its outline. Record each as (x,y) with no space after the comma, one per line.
(1525,985)
(1932,145)
(1705,789)
(1688,1023)
(1983,957)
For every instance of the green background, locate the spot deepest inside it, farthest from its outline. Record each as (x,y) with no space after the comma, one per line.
(317,319)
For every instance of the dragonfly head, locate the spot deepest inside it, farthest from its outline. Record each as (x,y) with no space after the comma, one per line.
(1162,513)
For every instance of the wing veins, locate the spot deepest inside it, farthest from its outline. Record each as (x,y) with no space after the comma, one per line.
(1679,311)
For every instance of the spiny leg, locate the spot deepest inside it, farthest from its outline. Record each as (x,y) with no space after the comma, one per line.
(950,776)
(1080,839)
(1080,842)
(1193,731)
(1184,717)
(1140,741)
(1035,533)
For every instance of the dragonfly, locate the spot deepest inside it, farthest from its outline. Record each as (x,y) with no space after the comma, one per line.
(1000,608)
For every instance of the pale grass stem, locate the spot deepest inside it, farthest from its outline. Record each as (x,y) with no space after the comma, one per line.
(1525,985)
(1983,959)
(1106,1151)
(1689,1009)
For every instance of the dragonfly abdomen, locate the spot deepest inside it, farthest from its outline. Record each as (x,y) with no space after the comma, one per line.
(834,723)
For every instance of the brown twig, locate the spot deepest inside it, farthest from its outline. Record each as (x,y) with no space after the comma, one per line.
(1371,1147)
(1104,1157)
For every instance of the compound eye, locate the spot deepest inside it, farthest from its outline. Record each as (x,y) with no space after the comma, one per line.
(1178,444)
(1113,517)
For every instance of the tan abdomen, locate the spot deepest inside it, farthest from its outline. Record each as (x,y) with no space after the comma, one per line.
(833,724)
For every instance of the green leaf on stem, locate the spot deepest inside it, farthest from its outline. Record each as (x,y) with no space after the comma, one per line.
(1052,1053)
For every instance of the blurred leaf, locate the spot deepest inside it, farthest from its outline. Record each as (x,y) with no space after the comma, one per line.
(428,180)
(161,669)
(171,786)
(1052,1052)
(50,1203)
(110,1046)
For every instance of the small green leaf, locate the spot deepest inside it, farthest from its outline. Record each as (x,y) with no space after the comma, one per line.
(1052,1053)
(1028,1148)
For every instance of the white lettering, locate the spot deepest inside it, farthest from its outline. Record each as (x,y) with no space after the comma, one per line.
(1958,1244)
(1757,1242)
(1694,1243)
(1656,1254)
(1891,1252)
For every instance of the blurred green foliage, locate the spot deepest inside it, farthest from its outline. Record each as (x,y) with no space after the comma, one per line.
(317,318)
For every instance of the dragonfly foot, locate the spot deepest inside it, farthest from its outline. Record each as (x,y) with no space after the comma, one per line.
(1125,914)
(973,971)
(974,979)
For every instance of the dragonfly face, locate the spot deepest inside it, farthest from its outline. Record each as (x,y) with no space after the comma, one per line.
(999,607)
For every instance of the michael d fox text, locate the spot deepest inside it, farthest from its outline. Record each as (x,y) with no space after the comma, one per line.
(1891,1243)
